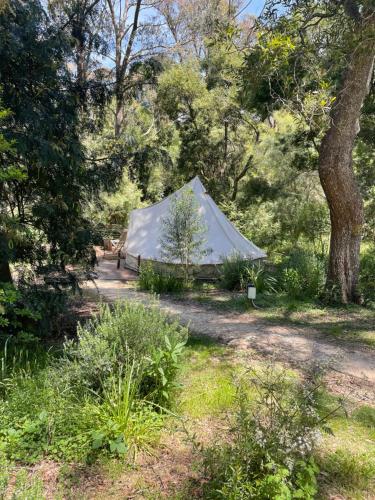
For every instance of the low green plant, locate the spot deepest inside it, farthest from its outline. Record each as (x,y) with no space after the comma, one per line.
(302,274)
(159,383)
(4,474)
(20,360)
(23,486)
(158,282)
(232,270)
(236,272)
(104,394)
(273,437)
(366,416)
(347,470)
(126,329)
(125,422)
(261,279)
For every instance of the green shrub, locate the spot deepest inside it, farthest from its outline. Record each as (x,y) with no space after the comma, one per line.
(236,272)
(273,437)
(302,274)
(366,416)
(103,395)
(232,270)
(128,330)
(16,317)
(367,275)
(292,282)
(262,280)
(159,382)
(158,282)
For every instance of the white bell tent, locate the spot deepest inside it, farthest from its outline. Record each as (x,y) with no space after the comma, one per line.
(222,238)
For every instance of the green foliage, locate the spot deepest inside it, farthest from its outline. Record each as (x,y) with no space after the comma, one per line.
(127,329)
(302,274)
(14,313)
(366,416)
(19,359)
(104,394)
(32,310)
(124,423)
(183,232)
(236,272)
(367,274)
(115,207)
(22,486)
(350,470)
(159,382)
(156,281)
(274,434)
(43,128)
(292,282)
(232,272)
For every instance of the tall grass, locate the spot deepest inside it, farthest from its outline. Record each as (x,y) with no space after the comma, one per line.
(19,361)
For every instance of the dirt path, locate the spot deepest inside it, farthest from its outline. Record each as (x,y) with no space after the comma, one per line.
(287,343)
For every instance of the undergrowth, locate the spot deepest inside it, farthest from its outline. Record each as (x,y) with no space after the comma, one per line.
(105,395)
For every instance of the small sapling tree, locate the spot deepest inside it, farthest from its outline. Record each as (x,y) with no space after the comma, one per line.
(183,232)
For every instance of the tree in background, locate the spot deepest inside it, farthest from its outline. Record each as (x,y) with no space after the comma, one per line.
(45,204)
(137,34)
(84,23)
(7,174)
(216,136)
(183,232)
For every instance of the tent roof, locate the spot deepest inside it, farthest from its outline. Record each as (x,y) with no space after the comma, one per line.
(223,239)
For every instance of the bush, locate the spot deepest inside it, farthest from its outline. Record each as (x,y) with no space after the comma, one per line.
(367,275)
(16,317)
(302,274)
(157,282)
(105,394)
(232,271)
(236,272)
(126,331)
(273,437)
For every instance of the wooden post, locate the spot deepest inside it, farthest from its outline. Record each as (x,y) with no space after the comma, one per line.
(139,262)
(118,259)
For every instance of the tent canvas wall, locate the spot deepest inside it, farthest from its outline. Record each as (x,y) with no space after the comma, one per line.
(222,238)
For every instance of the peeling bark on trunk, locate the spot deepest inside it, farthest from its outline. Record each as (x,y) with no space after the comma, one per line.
(336,171)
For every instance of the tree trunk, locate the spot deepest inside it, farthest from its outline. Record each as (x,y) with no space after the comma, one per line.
(5,274)
(119,115)
(337,175)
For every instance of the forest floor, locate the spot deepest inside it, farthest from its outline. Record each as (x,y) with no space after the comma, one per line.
(204,404)
(227,337)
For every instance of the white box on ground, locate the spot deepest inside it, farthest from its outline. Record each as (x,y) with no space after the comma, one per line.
(251,291)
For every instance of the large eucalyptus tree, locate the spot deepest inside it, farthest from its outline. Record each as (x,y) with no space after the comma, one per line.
(317,57)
